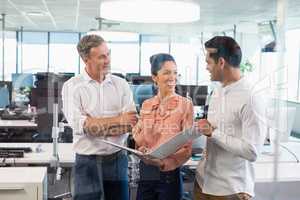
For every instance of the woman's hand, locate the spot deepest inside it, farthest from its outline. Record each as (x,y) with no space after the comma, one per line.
(150,161)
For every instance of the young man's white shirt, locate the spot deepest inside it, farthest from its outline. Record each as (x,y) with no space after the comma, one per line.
(238,113)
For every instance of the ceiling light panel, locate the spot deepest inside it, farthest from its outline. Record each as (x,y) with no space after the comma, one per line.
(150,11)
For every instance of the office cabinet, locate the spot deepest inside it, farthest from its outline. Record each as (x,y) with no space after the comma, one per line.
(23,183)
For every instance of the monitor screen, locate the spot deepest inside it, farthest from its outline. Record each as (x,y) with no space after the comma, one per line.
(129,76)
(22,85)
(64,76)
(138,80)
(198,93)
(5,93)
(47,92)
(22,80)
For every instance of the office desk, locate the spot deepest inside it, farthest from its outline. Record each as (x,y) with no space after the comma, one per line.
(67,157)
(17,130)
(286,172)
(264,171)
(267,157)
(23,183)
(43,158)
(17,124)
(65,153)
(287,184)
(288,176)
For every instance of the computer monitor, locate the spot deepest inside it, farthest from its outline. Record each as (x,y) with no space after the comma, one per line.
(22,80)
(47,92)
(119,75)
(22,85)
(129,76)
(64,76)
(138,80)
(198,93)
(141,93)
(5,93)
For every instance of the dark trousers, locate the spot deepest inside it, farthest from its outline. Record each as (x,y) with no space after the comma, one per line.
(157,185)
(101,177)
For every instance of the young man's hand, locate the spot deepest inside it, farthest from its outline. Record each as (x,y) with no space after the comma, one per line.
(204,127)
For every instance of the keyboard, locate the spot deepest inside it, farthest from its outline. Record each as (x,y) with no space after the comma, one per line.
(11,153)
(16,117)
(24,149)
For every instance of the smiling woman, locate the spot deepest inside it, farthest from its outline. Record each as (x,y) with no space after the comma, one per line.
(162,117)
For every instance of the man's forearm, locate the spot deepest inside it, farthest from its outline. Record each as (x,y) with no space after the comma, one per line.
(235,145)
(100,126)
(118,130)
(113,131)
(105,127)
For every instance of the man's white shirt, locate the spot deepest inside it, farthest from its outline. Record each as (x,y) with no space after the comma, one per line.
(237,112)
(82,96)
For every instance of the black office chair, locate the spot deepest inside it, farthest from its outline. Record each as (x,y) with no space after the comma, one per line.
(66,136)
(119,75)
(188,176)
(130,142)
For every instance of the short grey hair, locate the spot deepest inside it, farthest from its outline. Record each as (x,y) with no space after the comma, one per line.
(86,43)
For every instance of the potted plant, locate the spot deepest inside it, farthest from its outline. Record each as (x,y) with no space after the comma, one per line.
(246,67)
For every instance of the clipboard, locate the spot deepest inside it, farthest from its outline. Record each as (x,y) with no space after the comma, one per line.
(165,149)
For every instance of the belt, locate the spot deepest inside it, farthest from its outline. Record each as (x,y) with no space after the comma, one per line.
(105,157)
(111,156)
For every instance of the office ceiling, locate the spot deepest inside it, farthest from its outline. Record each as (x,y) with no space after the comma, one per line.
(79,15)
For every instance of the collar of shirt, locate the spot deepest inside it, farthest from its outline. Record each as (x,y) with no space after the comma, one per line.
(87,78)
(233,85)
(171,102)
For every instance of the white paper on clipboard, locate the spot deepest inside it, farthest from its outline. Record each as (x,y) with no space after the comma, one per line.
(165,149)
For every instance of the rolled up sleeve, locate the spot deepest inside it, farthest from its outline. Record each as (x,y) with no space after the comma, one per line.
(72,109)
(247,146)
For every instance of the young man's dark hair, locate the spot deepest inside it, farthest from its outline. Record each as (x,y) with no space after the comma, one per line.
(227,48)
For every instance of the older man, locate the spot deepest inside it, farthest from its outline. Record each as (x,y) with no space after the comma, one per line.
(97,105)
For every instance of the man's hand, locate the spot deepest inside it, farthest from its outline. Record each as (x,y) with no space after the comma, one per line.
(204,127)
(128,118)
(118,130)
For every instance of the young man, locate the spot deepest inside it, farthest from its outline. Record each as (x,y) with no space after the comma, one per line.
(233,128)
(97,105)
